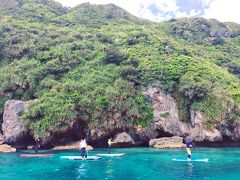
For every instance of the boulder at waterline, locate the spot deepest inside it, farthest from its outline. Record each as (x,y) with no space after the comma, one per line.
(123,140)
(167,142)
(14,132)
(4,148)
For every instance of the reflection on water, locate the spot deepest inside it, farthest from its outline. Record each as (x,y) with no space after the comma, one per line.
(190,168)
(82,170)
(109,169)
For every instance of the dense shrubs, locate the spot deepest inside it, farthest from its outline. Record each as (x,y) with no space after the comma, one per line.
(114,56)
(91,65)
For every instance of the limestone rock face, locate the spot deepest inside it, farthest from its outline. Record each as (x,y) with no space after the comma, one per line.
(199,133)
(4,148)
(123,138)
(1,139)
(167,123)
(14,132)
(167,142)
(213,135)
(166,119)
(232,131)
(164,105)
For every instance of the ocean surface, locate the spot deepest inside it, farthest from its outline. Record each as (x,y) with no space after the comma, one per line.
(136,164)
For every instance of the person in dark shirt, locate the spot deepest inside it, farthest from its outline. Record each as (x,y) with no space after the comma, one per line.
(37,145)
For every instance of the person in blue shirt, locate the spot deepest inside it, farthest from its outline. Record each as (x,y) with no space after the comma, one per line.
(188,145)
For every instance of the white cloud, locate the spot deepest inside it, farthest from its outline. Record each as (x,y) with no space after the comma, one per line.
(192,13)
(223,10)
(181,14)
(140,8)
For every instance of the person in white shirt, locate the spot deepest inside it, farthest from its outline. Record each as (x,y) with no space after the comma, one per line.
(83,148)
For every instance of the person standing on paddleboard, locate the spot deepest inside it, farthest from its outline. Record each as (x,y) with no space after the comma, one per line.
(37,145)
(83,148)
(110,142)
(188,145)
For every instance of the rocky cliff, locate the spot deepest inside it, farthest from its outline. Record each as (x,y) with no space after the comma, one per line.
(166,123)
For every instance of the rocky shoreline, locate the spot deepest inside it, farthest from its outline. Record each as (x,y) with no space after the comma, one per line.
(165,131)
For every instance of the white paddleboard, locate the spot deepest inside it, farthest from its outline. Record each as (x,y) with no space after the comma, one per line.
(80,157)
(111,155)
(197,160)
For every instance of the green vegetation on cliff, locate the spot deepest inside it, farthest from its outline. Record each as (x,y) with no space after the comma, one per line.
(90,63)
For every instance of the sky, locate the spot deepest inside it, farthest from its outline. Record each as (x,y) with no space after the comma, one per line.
(159,10)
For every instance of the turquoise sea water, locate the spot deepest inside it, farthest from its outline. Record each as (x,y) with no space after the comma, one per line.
(138,163)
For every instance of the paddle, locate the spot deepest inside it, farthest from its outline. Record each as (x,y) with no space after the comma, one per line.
(194,146)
